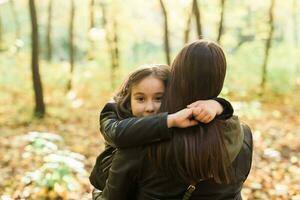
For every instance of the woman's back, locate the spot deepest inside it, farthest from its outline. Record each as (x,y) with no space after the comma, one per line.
(138,177)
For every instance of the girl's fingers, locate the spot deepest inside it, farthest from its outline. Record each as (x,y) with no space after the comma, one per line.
(206,119)
(201,115)
(197,111)
(193,122)
(194,104)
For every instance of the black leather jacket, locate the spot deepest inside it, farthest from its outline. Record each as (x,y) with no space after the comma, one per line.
(133,176)
(132,132)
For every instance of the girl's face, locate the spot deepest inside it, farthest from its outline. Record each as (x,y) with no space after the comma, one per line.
(146,96)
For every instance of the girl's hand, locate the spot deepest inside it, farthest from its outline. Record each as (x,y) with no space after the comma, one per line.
(182,119)
(206,110)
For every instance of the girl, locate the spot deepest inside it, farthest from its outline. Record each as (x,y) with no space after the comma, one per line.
(141,96)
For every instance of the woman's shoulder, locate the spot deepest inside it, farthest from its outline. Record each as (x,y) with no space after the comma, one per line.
(243,161)
(248,139)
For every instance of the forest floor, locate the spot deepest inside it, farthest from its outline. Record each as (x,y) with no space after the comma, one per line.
(275,172)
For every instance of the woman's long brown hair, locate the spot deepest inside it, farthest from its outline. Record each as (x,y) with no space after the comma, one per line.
(199,152)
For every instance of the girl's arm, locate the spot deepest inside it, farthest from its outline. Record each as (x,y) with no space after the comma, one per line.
(139,131)
(132,131)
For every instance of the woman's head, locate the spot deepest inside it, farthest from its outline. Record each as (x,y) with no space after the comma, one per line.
(197,72)
(142,92)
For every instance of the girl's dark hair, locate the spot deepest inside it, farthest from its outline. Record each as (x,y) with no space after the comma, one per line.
(198,152)
(122,98)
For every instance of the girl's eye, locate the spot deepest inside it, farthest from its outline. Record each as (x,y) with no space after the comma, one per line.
(158,99)
(140,99)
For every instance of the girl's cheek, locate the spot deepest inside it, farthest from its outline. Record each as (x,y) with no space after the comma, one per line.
(157,106)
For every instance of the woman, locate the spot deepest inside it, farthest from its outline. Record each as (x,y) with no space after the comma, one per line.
(200,162)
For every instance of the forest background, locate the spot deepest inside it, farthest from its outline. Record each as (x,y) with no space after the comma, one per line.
(60,61)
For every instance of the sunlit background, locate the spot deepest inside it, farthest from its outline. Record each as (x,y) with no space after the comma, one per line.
(49,155)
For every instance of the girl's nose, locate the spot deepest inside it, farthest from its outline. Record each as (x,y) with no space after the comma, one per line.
(150,107)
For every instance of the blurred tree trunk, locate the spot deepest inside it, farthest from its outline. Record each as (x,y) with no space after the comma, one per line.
(268,46)
(71,44)
(91,50)
(49,31)
(166,33)
(196,12)
(16,18)
(112,42)
(37,84)
(92,14)
(188,25)
(115,53)
(220,32)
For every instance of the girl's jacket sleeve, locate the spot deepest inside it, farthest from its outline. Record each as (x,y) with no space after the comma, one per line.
(227,108)
(131,132)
